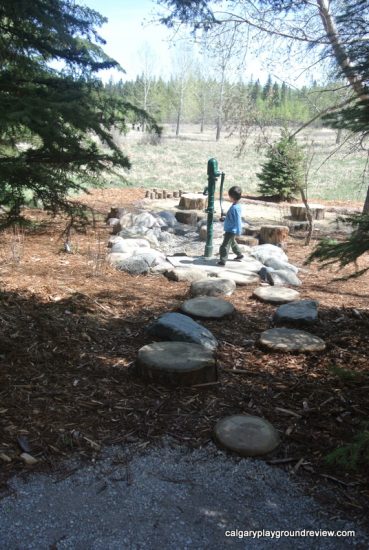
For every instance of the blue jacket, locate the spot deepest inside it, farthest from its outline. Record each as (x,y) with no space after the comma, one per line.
(233,220)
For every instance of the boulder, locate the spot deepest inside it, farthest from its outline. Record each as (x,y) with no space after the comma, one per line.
(283,277)
(134,266)
(246,435)
(129,245)
(168,217)
(176,363)
(135,232)
(189,274)
(207,307)
(277,263)
(162,268)
(181,328)
(116,258)
(151,257)
(302,312)
(241,279)
(213,287)
(264,251)
(287,339)
(275,294)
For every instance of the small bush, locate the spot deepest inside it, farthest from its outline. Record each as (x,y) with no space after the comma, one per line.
(354,454)
(282,174)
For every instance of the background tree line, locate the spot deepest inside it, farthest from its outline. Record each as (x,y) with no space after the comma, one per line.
(196,99)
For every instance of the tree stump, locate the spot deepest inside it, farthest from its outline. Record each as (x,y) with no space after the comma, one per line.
(147,194)
(246,240)
(159,195)
(274,234)
(192,201)
(154,190)
(175,194)
(176,363)
(189,217)
(251,231)
(180,193)
(116,212)
(169,195)
(152,196)
(298,212)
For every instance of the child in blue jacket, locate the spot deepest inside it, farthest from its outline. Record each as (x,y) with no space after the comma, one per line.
(232,227)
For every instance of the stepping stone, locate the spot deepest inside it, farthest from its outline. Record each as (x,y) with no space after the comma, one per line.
(287,339)
(176,363)
(213,287)
(276,294)
(283,277)
(207,307)
(181,328)
(302,312)
(247,265)
(246,435)
(241,279)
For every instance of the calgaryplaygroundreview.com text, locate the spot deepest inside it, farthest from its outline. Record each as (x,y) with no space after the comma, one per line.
(277,534)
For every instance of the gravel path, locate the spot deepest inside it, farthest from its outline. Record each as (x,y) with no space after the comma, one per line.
(167,498)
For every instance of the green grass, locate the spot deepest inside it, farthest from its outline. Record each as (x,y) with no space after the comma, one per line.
(181,163)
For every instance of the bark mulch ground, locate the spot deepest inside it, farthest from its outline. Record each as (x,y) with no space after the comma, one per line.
(70,330)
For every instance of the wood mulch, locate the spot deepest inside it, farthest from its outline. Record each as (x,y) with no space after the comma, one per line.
(70,330)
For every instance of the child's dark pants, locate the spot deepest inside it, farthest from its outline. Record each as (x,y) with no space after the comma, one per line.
(229,241)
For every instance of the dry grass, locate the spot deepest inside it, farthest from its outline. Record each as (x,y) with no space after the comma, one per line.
(180,163)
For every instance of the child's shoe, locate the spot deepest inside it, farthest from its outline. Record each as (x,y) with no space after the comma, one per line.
(221,263)
(239,258)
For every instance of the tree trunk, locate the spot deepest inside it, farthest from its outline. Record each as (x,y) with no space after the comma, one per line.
(366,203)
(309,217)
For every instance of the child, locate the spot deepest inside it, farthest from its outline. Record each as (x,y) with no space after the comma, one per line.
(232,227)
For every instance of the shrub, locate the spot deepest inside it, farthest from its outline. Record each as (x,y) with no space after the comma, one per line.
(282,174)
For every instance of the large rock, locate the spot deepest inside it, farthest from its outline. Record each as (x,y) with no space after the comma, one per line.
(136,231)
(129,245)
(181,328)
(207,307)
(277,263)
(143,219)
(176,363)
(247,265)
(241,279)
(213,287)
(246,435)
(283,277)
(117,257)
(189,274)
(276,294)
(151,257)
(300,312)
(134,266)
(287,339)
(168,217)
(162,268)
(264,251)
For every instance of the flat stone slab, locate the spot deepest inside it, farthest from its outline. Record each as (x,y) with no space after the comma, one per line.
(288,339)
(247,265)
(189,274)
(181,328)
(207,307)
(301,311)
(246,435)
(276,294)
(176,363)
(241,279)
(213,287)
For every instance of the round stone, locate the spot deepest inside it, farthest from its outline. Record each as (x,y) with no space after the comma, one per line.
(241,279)
(288,339)
(276,295)
(246,435)
(207,307)
(176,363)
(213,287)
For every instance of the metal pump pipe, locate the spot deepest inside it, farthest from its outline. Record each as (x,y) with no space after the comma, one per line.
(213,175)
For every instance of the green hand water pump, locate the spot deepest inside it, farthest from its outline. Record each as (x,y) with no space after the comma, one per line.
(213,175)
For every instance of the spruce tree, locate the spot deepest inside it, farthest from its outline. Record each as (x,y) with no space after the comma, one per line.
(282,174)
(55,114)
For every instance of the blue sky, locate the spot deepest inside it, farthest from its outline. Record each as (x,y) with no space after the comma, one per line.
(128,30)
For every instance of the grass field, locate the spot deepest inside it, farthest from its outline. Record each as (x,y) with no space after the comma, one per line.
(180,163)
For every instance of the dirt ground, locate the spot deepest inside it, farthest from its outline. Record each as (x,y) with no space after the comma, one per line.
(70,329)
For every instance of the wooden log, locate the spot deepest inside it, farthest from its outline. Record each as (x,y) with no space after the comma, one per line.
(251,231)
(298,212)
(274,234)
(247,240)
(152,196)
(188,217)
(155,190)
(159,195)
(147,194)
(164,192)
(180,193)
(192,201)
(169,195)
(175,194)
